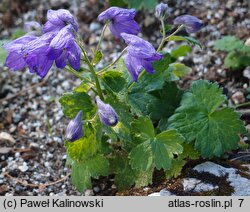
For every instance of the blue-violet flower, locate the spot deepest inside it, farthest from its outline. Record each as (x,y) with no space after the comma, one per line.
(140,54)
(74,129)
(162,11)
(57,19)
(191,23)
(122,20)
(63,48)
(106,113)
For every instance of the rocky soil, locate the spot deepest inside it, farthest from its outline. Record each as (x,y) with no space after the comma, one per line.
(32,126)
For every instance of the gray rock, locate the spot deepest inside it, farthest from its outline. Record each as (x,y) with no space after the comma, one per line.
(7,137)
(246,72)
(195,185)
(240,184)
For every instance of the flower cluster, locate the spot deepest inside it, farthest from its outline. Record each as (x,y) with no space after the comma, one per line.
(57,44)
(38,53)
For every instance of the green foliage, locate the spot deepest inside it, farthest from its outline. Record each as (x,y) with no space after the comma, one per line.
(73,102)
(238,55)
(97,58)
(200,119)
(136,4)
(153,149)
(190,40)
(83,171)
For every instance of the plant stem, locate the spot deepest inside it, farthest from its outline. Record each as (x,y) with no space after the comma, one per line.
(164,39)
(242,105)
(175,32)
(72,71)
(92,71)
(113,63)
(163,35)
(100,41)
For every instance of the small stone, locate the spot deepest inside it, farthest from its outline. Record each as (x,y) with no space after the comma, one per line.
(94,26)
(7,137)
(96,189)
(5,150)
(24,167)
(165,192)
(46,164)
(238,97)
(89,192)
(247,43)
(246,72)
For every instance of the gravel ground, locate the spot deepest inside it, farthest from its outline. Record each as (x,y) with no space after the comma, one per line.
(32,154)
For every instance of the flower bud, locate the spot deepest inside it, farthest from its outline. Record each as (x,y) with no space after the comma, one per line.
(106,113)
(191,23)
(74,129)
(162,11)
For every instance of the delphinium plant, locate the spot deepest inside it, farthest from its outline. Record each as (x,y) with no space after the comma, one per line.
(130,118)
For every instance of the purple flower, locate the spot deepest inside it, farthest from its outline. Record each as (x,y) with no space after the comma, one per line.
(15,60)
(35,54)
(74,129)
(122,20)
(141,54)
(106,113)
(57,19)
(191,23)
(162,11)
(63,48)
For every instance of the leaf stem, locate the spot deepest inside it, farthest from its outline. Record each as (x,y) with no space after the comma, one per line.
(72,71)
(113,63)
(100,41)
(242,105)
(163,35)
(92,71)
(175,32)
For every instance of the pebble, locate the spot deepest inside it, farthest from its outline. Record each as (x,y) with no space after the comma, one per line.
(89,192)
(7,137)
(94,26)
(238,97)
(23,167)
(246,72)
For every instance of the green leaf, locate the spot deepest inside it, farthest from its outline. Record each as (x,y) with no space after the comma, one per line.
(97,58)
(144,178)
(228,43)
(177,165)
(236,60)
(181,51)
(163,64)
(166,144)
(82,172)
(83,148)
(199,119)
(141,157)
(143,129)
(125,178)
(179,69)
(158,150)
(113,80)
(139,102)
(168,99)
(138,4)
(83,87)
(73,102)
(118,3)
(190,40)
